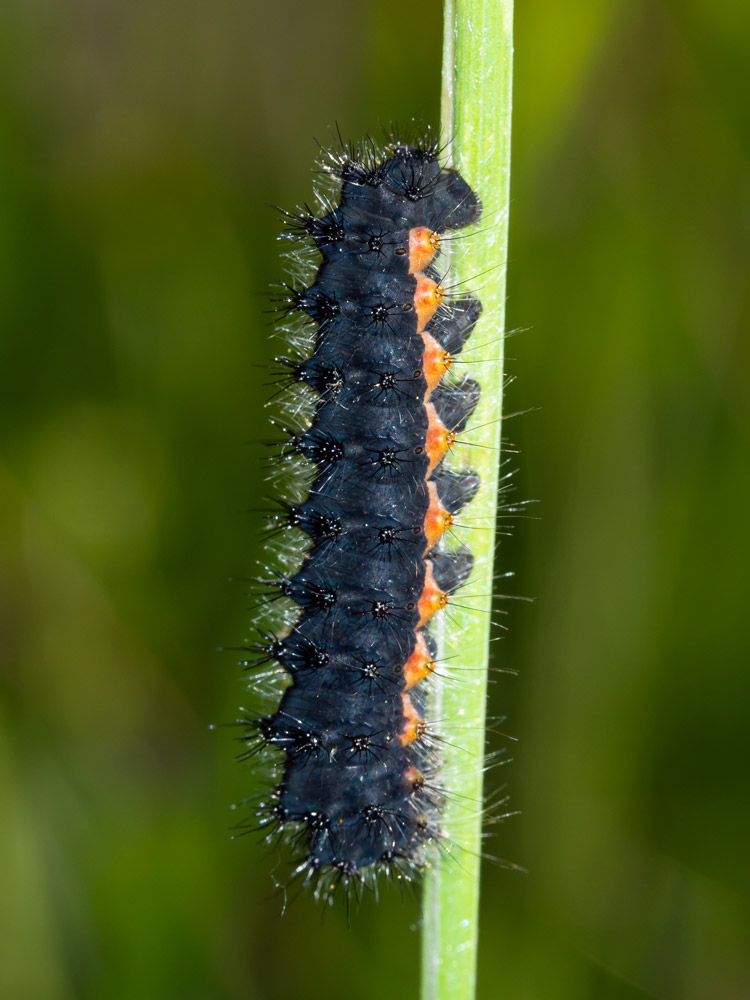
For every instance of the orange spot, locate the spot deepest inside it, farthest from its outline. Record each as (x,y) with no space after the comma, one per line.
(423,244)
(435,361)
(438,519)
(415,778)
(419,665)
(432,598)
(427,298)
(414,724)
(439,438)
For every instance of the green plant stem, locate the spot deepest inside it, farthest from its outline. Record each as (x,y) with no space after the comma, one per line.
(476,116)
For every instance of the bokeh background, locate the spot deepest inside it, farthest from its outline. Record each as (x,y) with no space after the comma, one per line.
(139,144)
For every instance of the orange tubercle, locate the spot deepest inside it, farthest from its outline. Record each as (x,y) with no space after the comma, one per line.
(419,665)
(437,519)
(432,598)
(415,778)
(423,245)
(435,361)
(414,724)
(439,439)
(427,297)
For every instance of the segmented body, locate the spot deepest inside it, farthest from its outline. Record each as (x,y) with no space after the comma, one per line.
(360,774)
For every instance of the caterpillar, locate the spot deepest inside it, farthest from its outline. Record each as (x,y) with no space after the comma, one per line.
(359,786)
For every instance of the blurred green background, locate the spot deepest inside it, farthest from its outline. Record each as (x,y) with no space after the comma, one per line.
(139,144)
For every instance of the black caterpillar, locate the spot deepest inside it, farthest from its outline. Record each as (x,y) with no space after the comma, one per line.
(360,787)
